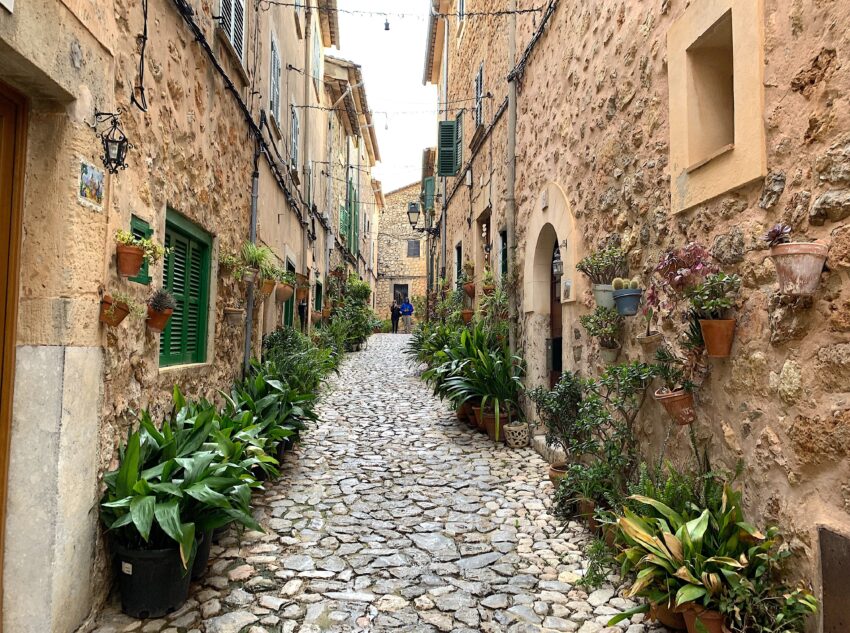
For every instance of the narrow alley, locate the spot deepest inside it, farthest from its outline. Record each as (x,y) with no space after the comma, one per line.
(393,516)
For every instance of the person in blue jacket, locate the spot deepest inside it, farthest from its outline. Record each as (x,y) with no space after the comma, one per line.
(406,312)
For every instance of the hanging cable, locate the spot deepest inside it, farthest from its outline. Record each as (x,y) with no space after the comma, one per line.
(142,102)
(392,14)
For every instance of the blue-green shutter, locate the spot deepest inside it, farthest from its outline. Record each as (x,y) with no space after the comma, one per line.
(141,229)
(429,185)
(447,163)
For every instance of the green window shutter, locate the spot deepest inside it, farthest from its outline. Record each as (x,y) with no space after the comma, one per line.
(429,187)
(141,229)
(459,142)
(186,276)
(289,306)
(318,298)
(447,149)
(355,234)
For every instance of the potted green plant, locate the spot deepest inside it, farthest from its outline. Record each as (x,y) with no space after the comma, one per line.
(285,285)
(798,264)
(160,308)
(711,300)
(604,324)
(269,273)
(132,252)
(115,307)
(558,409)
(254,257)
(467,282)
(677,393)
(650,339)
(627,295)
(601,268)
(488,282)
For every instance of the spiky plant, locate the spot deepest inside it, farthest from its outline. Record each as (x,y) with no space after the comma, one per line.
(619,283)
(778,234)
(160,301)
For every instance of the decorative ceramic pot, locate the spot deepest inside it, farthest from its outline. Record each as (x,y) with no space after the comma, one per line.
(283,292)
(556,473)
(234,316)
(679,405)
(604,295)
(718,335)
(609,355)
(112,313)
(517,435)
(467,315)
(129,259)
(627,301)
(158,320)
(469,288)
(798,267)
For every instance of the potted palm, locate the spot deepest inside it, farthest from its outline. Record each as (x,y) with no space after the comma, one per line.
(604,324)
(711,300)
(160,308)
(798,264)
(601,268)
(558,409)
(627,295)
(115,307)
(677,393)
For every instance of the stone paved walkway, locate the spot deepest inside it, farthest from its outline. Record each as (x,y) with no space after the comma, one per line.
(392,516)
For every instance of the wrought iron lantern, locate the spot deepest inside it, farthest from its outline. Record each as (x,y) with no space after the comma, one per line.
(557,264)
(115,143)
(413,214)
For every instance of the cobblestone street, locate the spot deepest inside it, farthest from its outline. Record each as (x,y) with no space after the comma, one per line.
(392,516)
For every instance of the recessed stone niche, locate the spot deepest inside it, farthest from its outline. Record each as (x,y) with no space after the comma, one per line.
(835,565)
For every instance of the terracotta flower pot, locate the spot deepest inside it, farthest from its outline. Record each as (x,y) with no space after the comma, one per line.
(112,313)
(489,290)
(713,621)
(469,288)
(326,313)
(609,354)
(301,293)
(587,513)
(479,419)
(463,410)
(268,287)
(650,343)
(234,316)
(283,292)
(604,295)
(556,473)
(718,335)
(798,267)
(678,404)
(129,259)
(158,320)
(493,427)
(609,534)
(667,616)
(466,315)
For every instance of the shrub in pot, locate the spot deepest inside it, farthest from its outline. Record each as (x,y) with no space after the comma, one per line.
(627,296)
(604,324)
(602,267)
(132,252)
(798,264)
(677,393)
(115,307)
(711,300)
(488,282)
(254,257)
(558,409)
(160,308)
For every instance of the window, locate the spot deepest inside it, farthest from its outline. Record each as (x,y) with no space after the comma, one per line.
(143,230)
(711,95)
(447,158)
(503,254)
(300,18)
(274,80)
(317,304)
(185,275)
(400,292)
(294,134)
(344,227)
(289,306)
(232,21)
(413,248)
(479,96)
(317,59)
(458,262)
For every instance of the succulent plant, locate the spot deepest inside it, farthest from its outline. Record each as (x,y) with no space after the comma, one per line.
(619,283)
(634,284)
(779,234)
(160,301)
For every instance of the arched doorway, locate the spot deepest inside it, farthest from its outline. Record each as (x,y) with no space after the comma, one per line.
(555,363)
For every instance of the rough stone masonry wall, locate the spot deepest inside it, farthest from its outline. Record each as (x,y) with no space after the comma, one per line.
(394,266)
(593,118)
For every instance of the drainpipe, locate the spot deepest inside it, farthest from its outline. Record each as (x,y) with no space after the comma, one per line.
(252,236)
(308,77)
(329,236)
(510,206)
(443,221)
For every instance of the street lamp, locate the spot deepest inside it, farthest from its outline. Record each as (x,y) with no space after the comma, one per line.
(413,213)
(115,143)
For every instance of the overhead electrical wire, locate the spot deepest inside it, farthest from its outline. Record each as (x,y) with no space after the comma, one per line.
(396,14)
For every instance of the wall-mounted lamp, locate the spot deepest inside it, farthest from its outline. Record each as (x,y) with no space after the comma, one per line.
(387,25)
(115,143)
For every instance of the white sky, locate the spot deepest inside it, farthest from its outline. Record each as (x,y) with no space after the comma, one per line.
(392,63)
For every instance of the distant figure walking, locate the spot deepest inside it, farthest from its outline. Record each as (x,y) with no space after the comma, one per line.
(406,312)
(395,314)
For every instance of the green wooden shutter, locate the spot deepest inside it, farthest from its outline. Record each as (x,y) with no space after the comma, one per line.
(141,229)
(447,148)
(289,306)
(355,222)
(459,142)
(317,306)
(429,187)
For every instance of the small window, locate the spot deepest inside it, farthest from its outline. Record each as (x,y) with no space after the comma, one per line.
(458,262)
(185,275)
(274,80)
(141,229)
(232,21)
(413,248)
(479,96)
(711,96)
(400,292)
(294,134)
(317,305)
(503,254)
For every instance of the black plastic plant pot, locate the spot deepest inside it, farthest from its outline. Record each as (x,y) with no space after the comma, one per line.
(152,583)
(202,556)
(627,301)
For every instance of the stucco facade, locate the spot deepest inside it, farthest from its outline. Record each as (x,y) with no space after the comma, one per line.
(210,122)
(402,253)
(596,156)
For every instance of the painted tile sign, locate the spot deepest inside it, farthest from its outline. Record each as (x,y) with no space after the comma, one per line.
(91,184)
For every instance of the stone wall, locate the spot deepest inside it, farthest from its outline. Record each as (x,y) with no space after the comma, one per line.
(593,119)
(394,266)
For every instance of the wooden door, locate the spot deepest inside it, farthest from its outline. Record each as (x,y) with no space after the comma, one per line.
(12,144)
(556,325)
